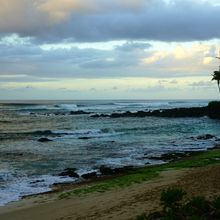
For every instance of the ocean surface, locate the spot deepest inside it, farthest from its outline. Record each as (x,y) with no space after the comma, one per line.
(28,166)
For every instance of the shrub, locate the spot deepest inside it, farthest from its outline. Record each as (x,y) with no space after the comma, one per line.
(171,198)
(216,203)
(142,217)
(197,206)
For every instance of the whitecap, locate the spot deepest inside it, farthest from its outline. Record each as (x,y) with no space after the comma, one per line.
(24,186)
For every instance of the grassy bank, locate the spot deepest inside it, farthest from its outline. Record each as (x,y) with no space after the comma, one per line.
(147,173)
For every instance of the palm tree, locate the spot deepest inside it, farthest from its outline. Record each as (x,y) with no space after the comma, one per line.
(216,76)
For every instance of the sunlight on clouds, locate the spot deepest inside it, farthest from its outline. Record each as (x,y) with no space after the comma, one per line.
(207,60)
(156,56)
(183,58)
(11,11)
(182,53)
(61,10)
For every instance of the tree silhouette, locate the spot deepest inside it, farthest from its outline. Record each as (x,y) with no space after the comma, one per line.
(216,75)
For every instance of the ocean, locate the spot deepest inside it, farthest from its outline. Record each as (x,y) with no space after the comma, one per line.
(80,141)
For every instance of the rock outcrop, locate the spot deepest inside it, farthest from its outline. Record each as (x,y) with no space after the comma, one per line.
(44,140)
(212,111)
(71,172)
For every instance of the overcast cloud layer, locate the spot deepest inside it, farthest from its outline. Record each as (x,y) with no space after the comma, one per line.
(49,45)
(103,20)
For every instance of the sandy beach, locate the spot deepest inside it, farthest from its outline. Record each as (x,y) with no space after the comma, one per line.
(119,203)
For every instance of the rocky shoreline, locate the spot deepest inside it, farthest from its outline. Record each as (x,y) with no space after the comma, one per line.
(106,172)
(128,202)
(211,111)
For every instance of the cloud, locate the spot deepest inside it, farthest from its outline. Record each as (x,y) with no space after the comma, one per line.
(196,59)
(59,11)
(202,84)
(20,16)
(131,46)
(102,20)
(62,10)
(130,59)
(102,64)
(33,60)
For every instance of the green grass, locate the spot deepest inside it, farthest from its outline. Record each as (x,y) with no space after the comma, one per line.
(147,173)
(200,160)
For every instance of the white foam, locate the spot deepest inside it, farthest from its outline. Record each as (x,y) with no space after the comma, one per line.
(85,170)
(141,104)
(121,162)
(68,106)
(78,132)
(24,186)
(162,104)
(101,107)
(89,133)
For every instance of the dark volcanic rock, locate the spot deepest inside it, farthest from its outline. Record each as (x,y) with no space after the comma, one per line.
(123,169)
(104,170)
(45,133)
(172,156)
(99,116)
(80,112)
(214,110)
(91,175)
(205,137)
(170,113)
(84,138)
(14,154)
(183,112)
(44,140)
(71,172)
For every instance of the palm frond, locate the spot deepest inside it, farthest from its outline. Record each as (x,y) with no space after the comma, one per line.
(216,76)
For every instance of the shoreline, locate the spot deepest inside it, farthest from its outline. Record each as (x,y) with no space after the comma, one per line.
(117,172)
(168,158)
(167,174)
(65,186)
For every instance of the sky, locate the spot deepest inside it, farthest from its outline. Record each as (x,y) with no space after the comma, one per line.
(101,49)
